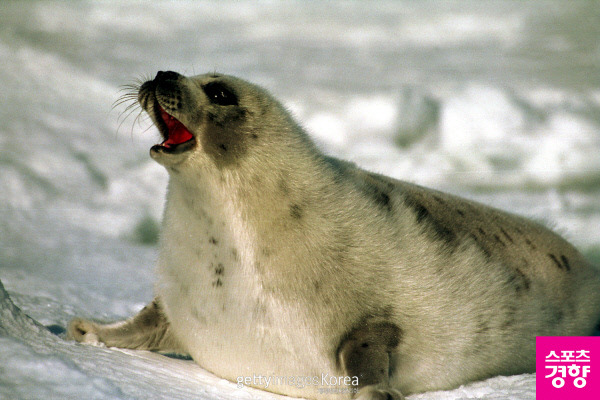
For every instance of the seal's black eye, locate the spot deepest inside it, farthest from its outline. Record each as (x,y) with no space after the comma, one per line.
(220,94)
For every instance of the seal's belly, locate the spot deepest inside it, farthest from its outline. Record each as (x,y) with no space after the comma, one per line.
(217,308)
(236,332)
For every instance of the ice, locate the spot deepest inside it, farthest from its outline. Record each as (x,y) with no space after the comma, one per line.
(498,101)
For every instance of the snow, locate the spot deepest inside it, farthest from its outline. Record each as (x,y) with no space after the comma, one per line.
(498,101)
(44,366)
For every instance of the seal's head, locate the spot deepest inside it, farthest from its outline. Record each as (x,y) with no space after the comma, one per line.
(208,118)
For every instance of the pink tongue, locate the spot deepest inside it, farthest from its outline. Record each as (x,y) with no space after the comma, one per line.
(177,132)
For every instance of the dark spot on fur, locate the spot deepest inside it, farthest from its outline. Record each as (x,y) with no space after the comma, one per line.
(379,189)
(212,117)
(421,211)
(212,240)
(254,136)
(220,269)
(526,281)
(460,212)
(224,138)
(519,281)
(387,312)
(379,196)
(483,248)
(381,180)
(556,317)
(284,187)
(553,258)
(423,216)
(340,252)
(512,281)
(340,249)
(510,239)
(218,283)
(296,211)
(482,327)
(235,254)
(530,243)
(499,240)
(481,231)
(384,199)
(563,263)
(560,315)
(510,317)
(508,323)
(257,180)
(443,233)
(317,285)
(337,167)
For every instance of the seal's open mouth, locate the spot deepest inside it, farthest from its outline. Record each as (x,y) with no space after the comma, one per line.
(177,137)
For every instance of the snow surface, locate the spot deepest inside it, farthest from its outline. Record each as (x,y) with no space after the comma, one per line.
(498,101)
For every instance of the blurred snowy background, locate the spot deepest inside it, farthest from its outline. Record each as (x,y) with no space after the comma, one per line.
(498,101)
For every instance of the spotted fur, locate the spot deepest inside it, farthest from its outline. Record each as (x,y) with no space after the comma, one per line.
(277,259)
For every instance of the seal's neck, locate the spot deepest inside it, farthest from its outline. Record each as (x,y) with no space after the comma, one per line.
(269,199)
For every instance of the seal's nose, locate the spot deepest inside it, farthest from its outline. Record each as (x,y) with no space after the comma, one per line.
(167,76)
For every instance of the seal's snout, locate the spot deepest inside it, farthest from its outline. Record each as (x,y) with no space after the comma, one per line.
(167,76)
(162,97)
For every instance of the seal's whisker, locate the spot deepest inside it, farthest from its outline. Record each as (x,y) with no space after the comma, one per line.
(128,110)
(150,126)
(128,103)
(121,101)
(141,118)
(138,119)
(124,118)
(125,98)
(134,86)
(132,106)
(131,110)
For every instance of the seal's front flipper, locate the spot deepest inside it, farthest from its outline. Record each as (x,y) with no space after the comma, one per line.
(148,330)
(367,352)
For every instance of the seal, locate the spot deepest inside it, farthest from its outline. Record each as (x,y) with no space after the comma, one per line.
(294,272)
